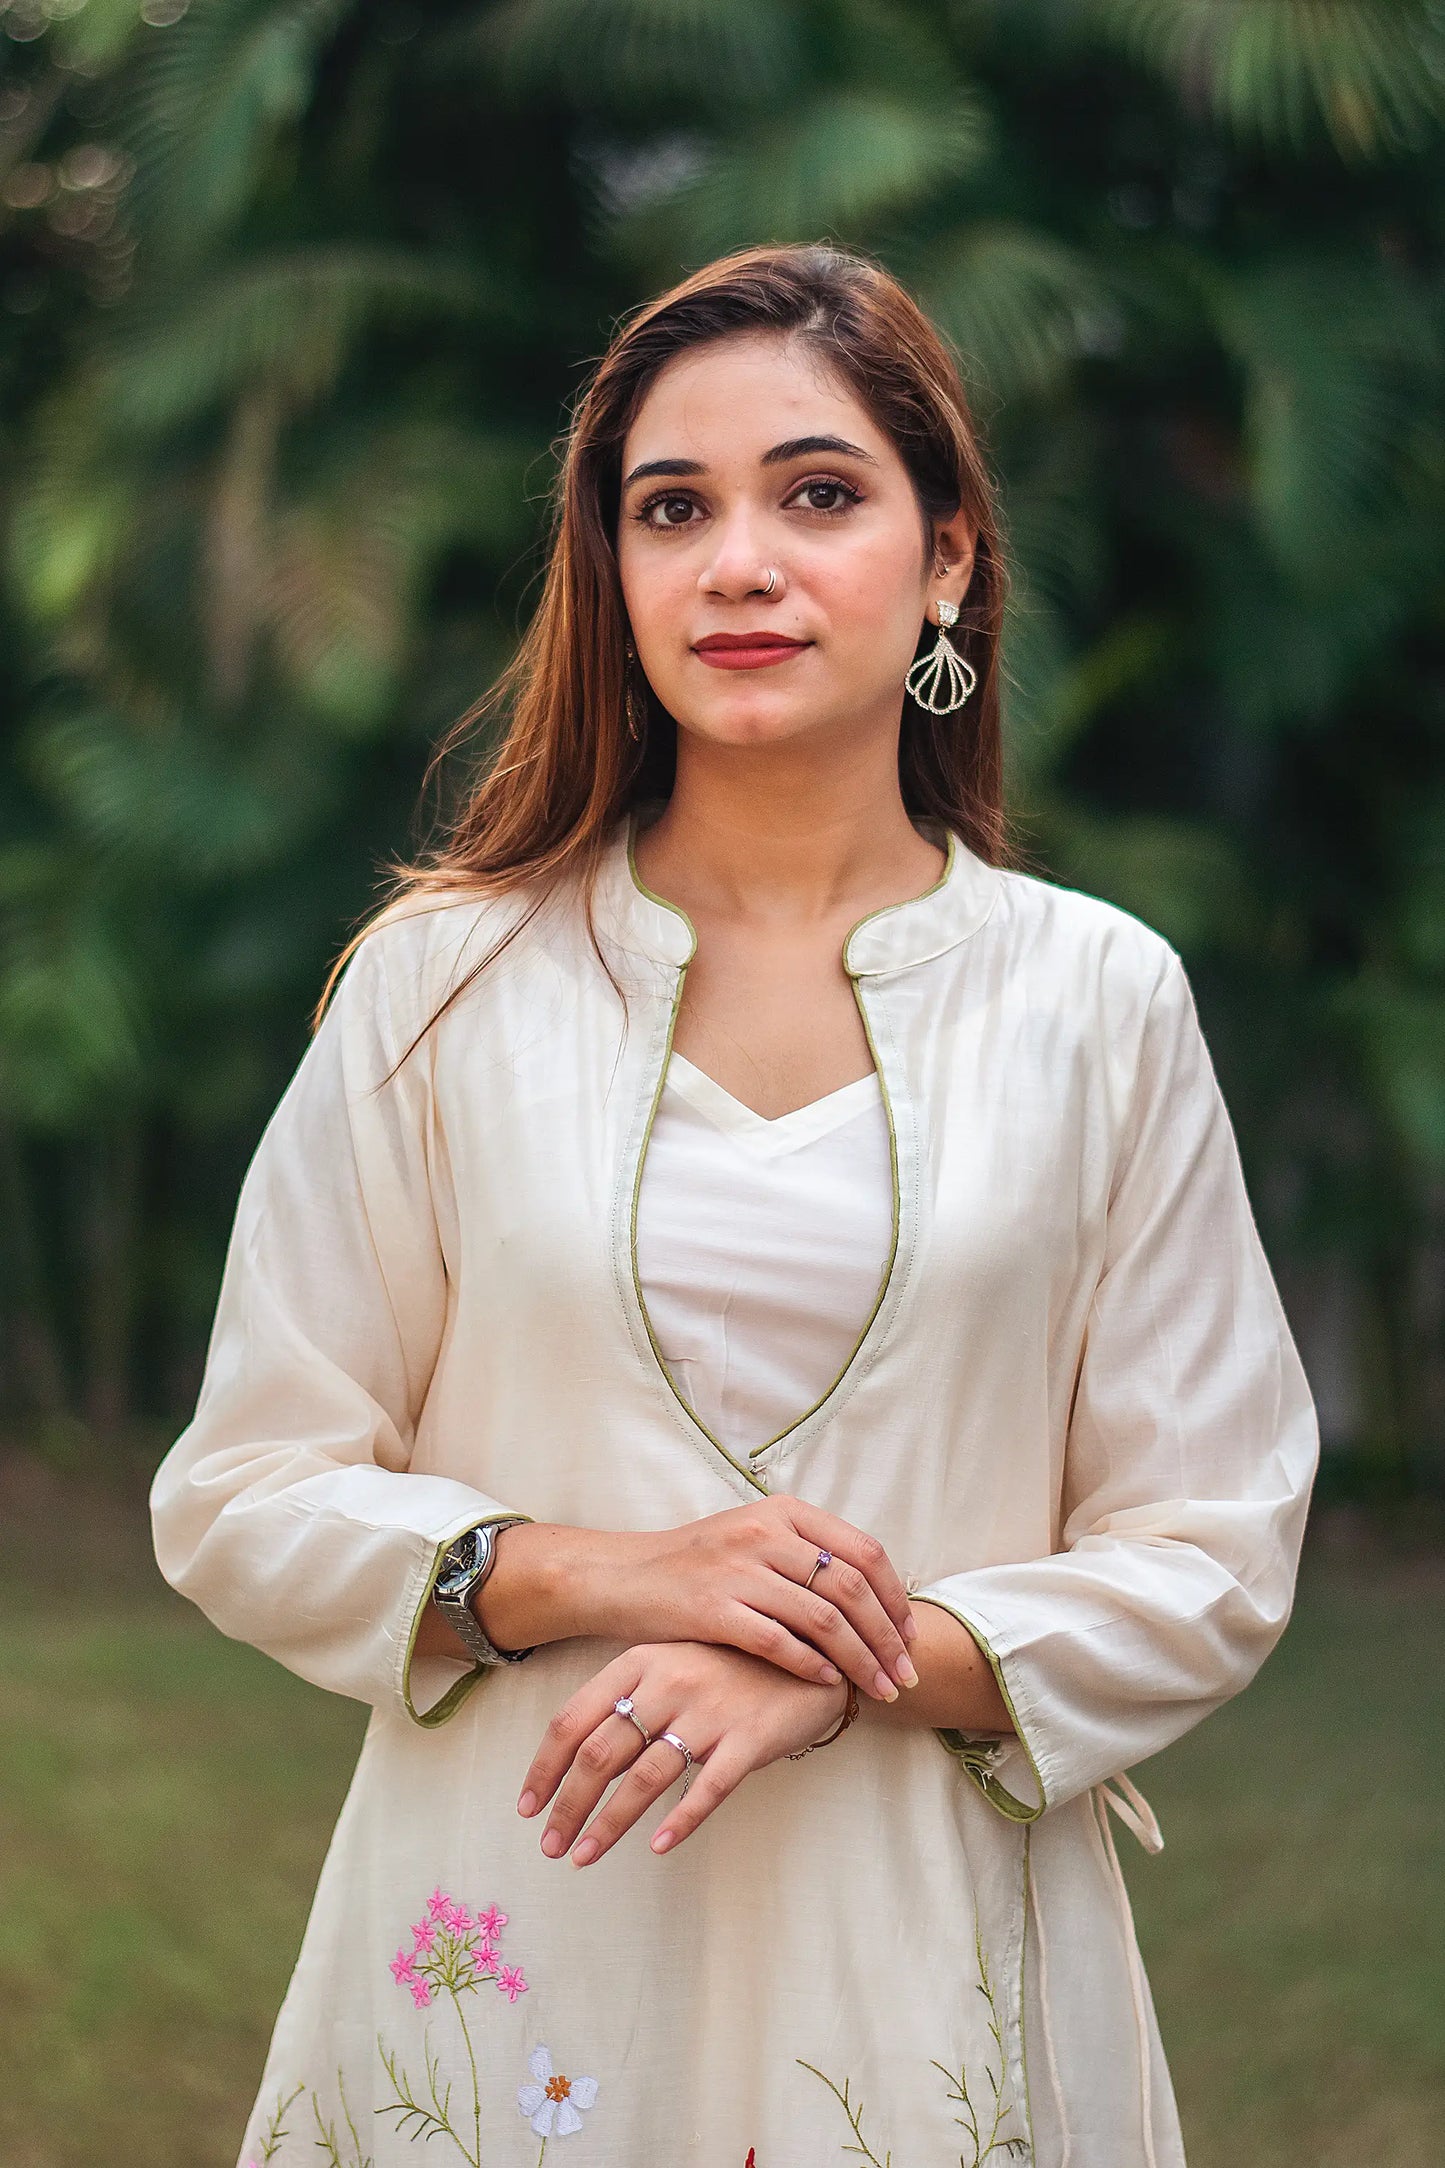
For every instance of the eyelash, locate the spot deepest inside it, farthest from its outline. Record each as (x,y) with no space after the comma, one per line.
(643,514)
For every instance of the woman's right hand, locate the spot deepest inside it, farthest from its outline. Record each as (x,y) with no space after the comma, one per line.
(734,1578)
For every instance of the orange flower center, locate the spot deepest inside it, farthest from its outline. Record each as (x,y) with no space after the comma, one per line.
(558,2088)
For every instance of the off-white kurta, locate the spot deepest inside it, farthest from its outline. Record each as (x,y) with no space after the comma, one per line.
(1076,1419)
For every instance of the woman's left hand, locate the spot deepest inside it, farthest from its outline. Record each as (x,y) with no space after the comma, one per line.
(736,1712)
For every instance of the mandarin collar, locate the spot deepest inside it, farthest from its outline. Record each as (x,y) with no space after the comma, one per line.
(891,939)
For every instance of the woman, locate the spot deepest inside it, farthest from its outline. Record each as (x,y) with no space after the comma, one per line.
(816,1256)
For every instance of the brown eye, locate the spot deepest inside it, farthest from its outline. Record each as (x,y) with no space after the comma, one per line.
(829,486)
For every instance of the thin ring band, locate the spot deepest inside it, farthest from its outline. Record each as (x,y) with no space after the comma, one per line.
(686,1752)
(824,1558)
(624,1708)
(772,579)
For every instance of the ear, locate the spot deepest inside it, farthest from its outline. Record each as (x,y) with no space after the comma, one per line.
(951,566)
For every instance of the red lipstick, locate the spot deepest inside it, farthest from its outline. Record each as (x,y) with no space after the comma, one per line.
(747,650)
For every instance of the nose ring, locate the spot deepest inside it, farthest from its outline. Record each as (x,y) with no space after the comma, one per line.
(772,579)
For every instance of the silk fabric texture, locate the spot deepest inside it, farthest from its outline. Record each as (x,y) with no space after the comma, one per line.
(1076,1418)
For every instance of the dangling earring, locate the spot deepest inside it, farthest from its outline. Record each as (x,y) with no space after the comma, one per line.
(942,666)
(632,704)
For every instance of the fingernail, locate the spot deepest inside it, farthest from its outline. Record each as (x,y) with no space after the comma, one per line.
(552,1844)
(886,1687)
(662,1842)
(910,1628)
(830,1675)
(527,1804)
(907,1676)
(584,1853)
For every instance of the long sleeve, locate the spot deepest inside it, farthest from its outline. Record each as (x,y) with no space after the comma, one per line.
(1191,1449)
(287,1509)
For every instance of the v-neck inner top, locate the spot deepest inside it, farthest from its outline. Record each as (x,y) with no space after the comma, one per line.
(761,1246)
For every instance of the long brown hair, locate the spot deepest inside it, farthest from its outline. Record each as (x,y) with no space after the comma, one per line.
(566,768)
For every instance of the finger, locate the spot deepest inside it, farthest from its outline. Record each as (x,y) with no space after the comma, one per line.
(602,1755)
(826,1532)
(656,1769)
(758,1634)
(721,1773)
(569,1726)
(849,1588)
(805,1611)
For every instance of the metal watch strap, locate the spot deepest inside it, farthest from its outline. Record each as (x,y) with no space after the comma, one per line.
(464,1621)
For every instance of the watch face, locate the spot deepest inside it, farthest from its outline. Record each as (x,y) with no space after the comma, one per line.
(461,1562)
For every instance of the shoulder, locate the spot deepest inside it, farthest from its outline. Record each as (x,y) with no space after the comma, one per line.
(418,950)
(1082,942)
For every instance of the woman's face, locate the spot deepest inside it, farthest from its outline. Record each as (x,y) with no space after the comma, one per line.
(723,477)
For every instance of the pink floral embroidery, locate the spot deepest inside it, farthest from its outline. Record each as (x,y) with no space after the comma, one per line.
(424,1935)
(491,1922)
(401,1967)
(487,1960)
(437,1903)
(420,1992)
(511,1982)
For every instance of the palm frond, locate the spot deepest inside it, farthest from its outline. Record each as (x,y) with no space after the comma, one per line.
(626,55)
(838,160)
(207,103)
(1019,303)
(1367,75)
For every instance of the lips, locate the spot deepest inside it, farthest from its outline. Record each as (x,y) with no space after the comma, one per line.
(747,650)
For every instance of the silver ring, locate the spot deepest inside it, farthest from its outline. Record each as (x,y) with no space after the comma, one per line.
(772,579)
(686,1752)
(824,1558)
(624,1707)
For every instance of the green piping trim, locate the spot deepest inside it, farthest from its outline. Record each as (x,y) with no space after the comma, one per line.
(885,1281)
(651,894)
(949,855)
(971,1748)
(749,1474)
(459,1689)
(1024,1993)
(883,1284)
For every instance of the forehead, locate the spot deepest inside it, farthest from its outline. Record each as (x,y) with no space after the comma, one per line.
(728,401)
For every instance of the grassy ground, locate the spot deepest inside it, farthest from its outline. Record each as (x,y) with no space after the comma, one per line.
(166,1799)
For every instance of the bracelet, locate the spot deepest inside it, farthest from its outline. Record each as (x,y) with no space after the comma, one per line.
(850,1711)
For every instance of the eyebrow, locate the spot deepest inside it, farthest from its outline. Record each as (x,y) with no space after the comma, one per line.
(791,448)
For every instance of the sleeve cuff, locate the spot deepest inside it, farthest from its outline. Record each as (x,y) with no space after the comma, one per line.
(1001,1767)
(442,1682)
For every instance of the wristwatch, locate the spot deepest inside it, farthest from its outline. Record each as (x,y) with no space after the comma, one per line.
(468,1561)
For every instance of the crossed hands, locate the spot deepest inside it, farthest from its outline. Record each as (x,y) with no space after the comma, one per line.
(735,1656)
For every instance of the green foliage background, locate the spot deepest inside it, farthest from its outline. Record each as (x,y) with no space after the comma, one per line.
(294,295)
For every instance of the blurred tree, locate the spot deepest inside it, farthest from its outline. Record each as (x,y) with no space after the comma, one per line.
(293,297)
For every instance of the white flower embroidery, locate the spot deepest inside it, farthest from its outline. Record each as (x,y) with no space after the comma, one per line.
(551,2104)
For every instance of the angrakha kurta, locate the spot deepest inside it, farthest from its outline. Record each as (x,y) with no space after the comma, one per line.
(1076,1419)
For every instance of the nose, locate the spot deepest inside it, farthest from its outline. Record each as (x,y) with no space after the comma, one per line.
(737,562)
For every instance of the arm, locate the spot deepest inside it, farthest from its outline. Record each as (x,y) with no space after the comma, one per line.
(1191,1450)
(734,1577)
(287,1509)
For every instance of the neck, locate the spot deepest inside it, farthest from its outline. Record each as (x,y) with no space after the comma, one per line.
(761,832)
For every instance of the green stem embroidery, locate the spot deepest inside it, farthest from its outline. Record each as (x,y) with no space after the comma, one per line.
(328,2141)
(471,2058)
(982,2150)
(855,2119)
(432,2122)
(971,2121)
(275,2129)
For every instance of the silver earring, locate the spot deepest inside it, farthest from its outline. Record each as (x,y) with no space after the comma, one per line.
(943,667)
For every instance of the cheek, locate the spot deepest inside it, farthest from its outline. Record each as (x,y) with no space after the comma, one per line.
(871,610)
